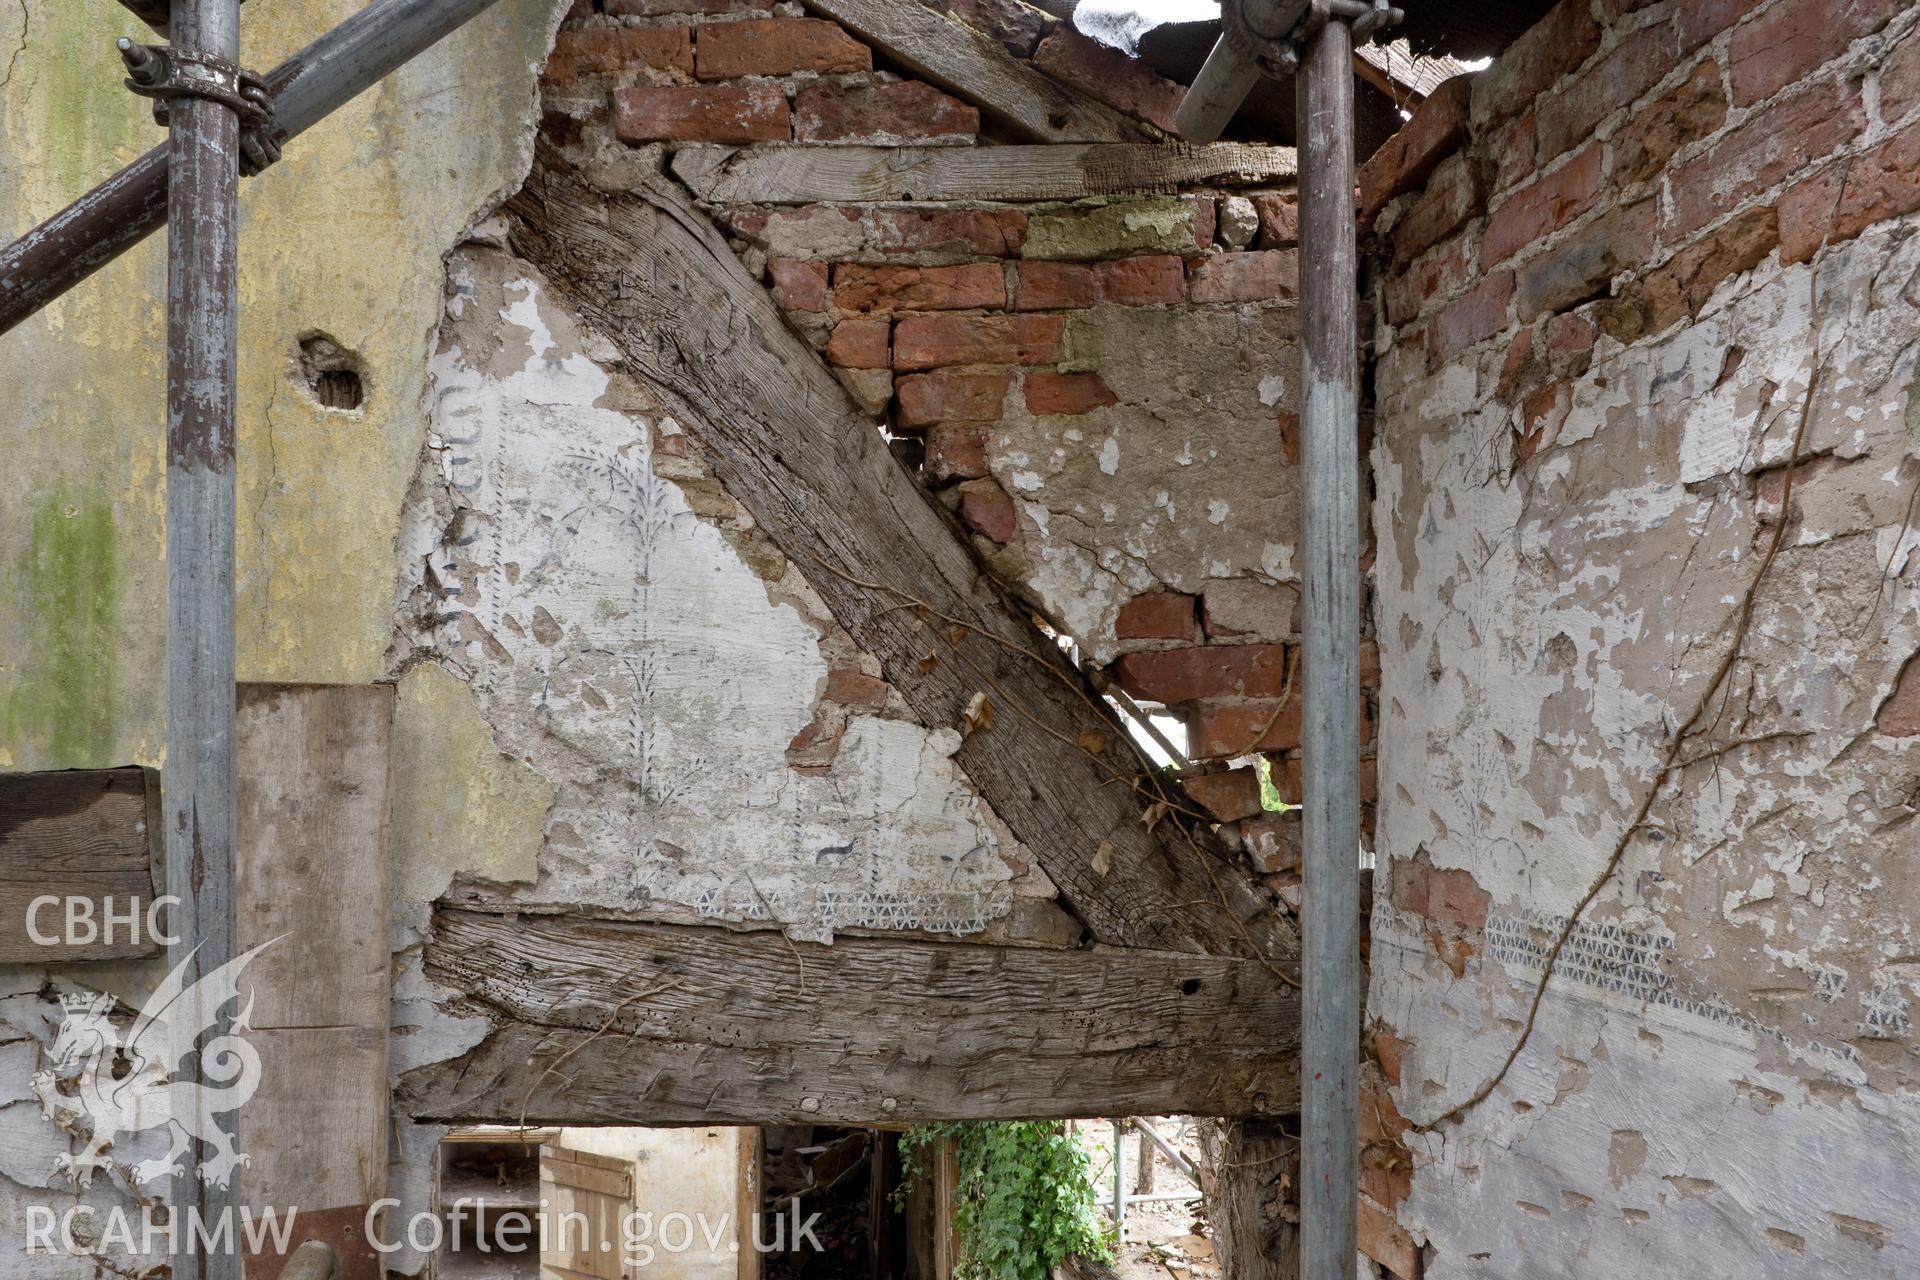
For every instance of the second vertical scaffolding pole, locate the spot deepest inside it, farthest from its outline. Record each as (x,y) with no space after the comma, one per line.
(1330,730)
(197,784)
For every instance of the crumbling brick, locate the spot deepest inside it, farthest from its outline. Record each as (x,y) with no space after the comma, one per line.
(1679,289)
(1529,215)
(1582,266)
(1261,275)
(956,451)
(859,342)
(852,687)
(987,510)
(1213,671)
(1229,795)
(1124,83)
(799,285)
(1149,280)
(858,287)
(1789,40)
(1449,895)
(1066,393)
(1274,842)
(607,50)
(1156,615)
(1403,162)
(1690,111)
(1569,115)
(1744,163)
(894,113)
(776,47)
(952,395)
(995,233)
(1851,195)
(701,113)
(1279,221)
(930,341)
(1456,194)
(1551,48)
(1471,320)
(665,8)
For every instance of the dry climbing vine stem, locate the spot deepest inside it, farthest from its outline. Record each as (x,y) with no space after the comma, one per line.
(1671,762)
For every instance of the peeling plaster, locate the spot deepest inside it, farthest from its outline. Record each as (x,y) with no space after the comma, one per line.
(1736,1000)
(620,643)
(1181,484)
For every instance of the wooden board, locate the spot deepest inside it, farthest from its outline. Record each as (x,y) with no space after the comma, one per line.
(780,432)
(600,1190)
(76,835)
(613,1022)
(968,62)
(801,174)
(311,870)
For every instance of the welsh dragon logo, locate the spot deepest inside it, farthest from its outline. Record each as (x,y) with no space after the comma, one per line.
(102,1088)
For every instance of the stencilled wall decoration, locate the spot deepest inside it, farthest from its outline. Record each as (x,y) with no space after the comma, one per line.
(619,644)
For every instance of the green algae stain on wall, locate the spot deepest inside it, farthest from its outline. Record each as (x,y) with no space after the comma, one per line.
(67,582)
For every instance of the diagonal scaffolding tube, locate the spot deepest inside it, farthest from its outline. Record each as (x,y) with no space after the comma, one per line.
(132,205)
(203,265)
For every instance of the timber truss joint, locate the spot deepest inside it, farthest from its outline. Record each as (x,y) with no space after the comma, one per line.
(163,73)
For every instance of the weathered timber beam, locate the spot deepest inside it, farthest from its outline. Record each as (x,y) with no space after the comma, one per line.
(80,837)
(801,174)
(972,64)
(613,1022)
(650,272)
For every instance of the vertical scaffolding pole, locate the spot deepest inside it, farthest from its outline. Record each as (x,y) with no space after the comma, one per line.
(197,784)
(1330,741)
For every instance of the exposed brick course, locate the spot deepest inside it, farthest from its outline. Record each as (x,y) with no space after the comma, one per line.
(1261,275)
(1549,204)
(776,47)
(1438,127)
(931,341)
(1568,116)
(952,395)
(1126,84)
(899,111)
(859,342)
(1157,615)
(608,50)
(1151,280)
(1214,671)
(1789,40)
(799,285)
(701,113)
(1745,162)
(956,451)
(1851,195)
(1066,393)
(858,287)
(1230,795)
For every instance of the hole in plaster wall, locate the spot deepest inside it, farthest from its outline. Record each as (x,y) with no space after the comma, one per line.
(332,375)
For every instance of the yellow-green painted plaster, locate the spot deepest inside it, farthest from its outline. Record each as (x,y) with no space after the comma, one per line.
(459,805)
(345,236)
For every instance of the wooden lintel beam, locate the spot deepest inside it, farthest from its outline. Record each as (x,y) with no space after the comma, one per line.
(801,174)
(973,65)
(612,1022)
(649,271)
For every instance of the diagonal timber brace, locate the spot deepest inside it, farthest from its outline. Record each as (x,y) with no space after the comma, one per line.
(650,272)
